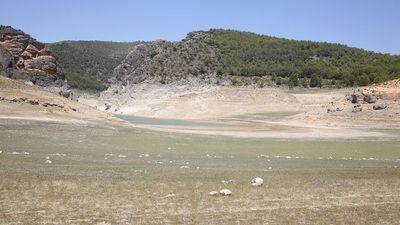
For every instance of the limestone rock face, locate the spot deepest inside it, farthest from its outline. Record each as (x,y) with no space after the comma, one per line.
(27,59)
(158,60)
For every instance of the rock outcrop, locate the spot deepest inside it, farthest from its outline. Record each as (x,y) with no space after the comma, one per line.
(23,57)
(164,61)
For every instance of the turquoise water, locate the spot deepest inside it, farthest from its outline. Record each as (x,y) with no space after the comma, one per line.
(163,122)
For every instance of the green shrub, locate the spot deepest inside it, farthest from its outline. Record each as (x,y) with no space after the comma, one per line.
(315,81)
(363,80)
(85,82)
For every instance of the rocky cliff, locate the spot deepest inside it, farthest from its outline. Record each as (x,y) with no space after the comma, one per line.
(23,57)
(164,61)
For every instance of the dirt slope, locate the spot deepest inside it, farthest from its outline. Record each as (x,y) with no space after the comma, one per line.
(23,101)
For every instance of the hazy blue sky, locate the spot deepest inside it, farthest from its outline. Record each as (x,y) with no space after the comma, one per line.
(368,24)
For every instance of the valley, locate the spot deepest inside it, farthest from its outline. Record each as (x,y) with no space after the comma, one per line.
(145,132)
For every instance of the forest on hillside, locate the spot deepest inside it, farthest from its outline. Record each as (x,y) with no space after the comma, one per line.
(249,54)
(89,64)
(234,55)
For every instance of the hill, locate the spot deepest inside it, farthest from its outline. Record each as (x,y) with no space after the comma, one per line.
(241,58)
(89,64)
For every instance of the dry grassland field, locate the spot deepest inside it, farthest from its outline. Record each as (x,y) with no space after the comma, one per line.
(86,166)
(106,174)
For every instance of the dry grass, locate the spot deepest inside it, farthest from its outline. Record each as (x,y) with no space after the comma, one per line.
(6,83)
(82,187)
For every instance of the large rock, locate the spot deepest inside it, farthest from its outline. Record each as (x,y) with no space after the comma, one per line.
(42,63)
(379,105)
(356,97)
(370,98)
(29,59)
(360,97)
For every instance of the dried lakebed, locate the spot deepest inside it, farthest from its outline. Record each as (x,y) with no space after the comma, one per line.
(119,175)
(283,124)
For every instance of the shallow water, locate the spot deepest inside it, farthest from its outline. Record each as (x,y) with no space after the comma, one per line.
(140,120)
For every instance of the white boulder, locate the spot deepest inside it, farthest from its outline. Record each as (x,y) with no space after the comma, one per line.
(257,182)
(225,192)
(213,193)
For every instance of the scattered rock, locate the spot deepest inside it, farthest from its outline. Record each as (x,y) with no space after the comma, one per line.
(49,104)
(226,181)
(108,106)
(360,97)
(144,155)
(213,193)
(357,108)
(225,192)
(379,105)
(170,195)
(356,97)
(370,98)
(33,102)
(257,182)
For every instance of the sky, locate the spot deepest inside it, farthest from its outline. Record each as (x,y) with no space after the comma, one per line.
(368,24)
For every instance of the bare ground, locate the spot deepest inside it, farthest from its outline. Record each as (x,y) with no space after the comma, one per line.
(19,100)
(248,110)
